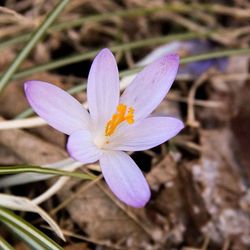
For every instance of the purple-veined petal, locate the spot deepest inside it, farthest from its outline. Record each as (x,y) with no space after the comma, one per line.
(151,85)
(145,134)
(125,178)
(103,88)
(62,111)
(81,147)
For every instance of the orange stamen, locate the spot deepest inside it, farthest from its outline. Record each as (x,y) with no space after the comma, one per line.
(119,117)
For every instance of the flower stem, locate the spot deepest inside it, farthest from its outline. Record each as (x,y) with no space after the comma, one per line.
(36,36)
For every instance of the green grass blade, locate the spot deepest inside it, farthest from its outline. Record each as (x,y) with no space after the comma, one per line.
(91,54)
(24,204)
(88,55)
(42,170)
(37,35)
(31,235)
(23,236)
(4,245)
(17,179)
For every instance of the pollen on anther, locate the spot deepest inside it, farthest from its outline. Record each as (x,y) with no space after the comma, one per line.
(119,117)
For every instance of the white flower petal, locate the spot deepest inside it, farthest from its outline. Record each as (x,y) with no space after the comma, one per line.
(124,178)
(62,111)
(151,85)
(81,147)
(103,88)
(145,134)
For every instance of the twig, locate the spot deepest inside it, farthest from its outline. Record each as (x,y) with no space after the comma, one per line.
(16,15)
(191,121)
(24,123)
(73,196)
(51,191)
(91,240)
(128,212)
(188,144)
(206,243)
(201,103)
(226,244)
(193,26)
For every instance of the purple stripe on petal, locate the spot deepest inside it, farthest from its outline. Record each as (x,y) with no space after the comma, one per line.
(145,134)
(81,147)
(151,85)
(56,106)
(124,178)
(103,88)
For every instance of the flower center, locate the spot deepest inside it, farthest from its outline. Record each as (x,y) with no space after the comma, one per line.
(120,116)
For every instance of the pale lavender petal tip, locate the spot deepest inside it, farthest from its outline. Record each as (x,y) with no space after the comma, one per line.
(106,51)
(27,86)
(172,61)
(181,126)
(174,57)
(177,124)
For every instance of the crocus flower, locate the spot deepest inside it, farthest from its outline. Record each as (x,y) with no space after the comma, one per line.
(113,124)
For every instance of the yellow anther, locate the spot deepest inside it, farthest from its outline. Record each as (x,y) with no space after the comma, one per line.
(130,116)
(119,117)
(121,108)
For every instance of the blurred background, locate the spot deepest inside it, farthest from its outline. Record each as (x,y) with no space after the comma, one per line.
(199,179)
